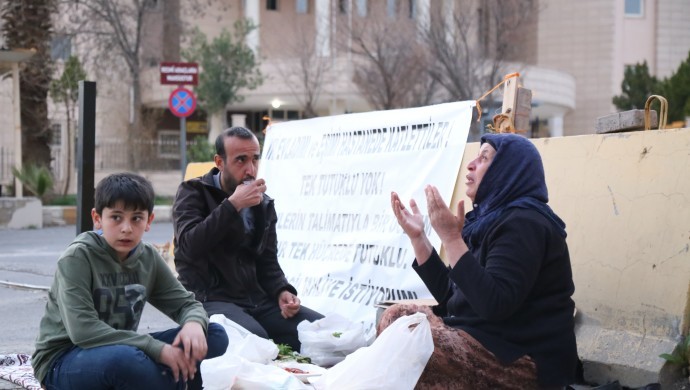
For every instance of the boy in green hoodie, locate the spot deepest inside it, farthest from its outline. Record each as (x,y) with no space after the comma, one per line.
(88,335)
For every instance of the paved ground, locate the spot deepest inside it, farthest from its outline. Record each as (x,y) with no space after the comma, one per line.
(27,264)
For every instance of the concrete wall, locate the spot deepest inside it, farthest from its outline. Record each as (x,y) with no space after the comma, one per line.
(20,213)
(625,200)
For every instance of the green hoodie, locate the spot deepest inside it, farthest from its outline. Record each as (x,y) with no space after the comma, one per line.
(95,300)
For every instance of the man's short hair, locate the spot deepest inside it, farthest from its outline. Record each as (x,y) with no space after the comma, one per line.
(236,131)
(131,189)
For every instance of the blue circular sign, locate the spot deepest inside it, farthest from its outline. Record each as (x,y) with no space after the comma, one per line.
(182,102)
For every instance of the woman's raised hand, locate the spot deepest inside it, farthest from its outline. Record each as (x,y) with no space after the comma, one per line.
(412,223)
(447,225)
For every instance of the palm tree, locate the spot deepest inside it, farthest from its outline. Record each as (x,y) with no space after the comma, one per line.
(27,25)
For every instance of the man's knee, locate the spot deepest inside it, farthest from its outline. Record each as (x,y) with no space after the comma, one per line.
(217,340)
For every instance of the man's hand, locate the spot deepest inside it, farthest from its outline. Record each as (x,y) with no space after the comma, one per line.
(248,195)
(289,304)
(188,348)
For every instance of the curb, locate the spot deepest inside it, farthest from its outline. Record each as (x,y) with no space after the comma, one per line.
(67,215)
(24,286)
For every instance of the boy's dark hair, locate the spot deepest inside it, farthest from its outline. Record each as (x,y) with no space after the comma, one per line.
(131,189)
(237,131)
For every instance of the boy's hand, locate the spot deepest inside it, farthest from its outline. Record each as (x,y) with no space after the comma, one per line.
(188,348)
(181,367)
(193,341)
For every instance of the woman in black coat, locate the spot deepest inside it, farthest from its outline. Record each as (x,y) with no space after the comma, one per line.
(505,313)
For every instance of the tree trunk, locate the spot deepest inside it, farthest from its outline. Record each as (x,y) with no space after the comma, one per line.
(217,125)
(135,126)
(68,149)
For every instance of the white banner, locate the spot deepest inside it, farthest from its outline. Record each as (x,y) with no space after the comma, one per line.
(331,177)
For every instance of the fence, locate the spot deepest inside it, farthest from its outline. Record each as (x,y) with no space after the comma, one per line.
(113,153)
(6,164)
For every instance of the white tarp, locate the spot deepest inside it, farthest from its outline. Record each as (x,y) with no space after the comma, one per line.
(331,177)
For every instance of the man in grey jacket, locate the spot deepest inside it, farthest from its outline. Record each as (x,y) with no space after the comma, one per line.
(226,244)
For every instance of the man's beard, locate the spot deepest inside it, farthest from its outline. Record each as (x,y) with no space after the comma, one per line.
(229,182)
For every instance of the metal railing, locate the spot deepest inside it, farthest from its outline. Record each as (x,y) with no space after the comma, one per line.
(6,164)
(114,153)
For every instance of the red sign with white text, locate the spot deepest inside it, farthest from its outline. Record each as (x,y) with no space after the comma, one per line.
(179,73)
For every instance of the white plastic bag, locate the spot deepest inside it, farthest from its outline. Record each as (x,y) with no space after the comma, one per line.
(245,350)
(255,376)
(395,360)
(327,341)
(219,373)
(245,344)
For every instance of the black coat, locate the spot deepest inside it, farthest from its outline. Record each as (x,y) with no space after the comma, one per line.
(214,256)
(512,293)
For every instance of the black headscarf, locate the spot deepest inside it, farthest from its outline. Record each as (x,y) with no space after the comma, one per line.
(515,178)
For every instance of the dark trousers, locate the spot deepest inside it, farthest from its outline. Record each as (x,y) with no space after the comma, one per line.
(125,367)
(265,320)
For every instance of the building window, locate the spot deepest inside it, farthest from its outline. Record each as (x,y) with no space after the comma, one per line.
(412,5)
(391,8)
(302,6)
(272,5)
(56,134)
(153,5)
(362,8)
(169,144)
(343,6)
(634,8)
(60,47)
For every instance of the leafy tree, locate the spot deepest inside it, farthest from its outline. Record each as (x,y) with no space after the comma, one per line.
(227,65)
(114,31)
(27,25)
(200,150)
(636,87)
(66,90)
(676,91)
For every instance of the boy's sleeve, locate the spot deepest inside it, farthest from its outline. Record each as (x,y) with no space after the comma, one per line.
(79,315)
(172,299)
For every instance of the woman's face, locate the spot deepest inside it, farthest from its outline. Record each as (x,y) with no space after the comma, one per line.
(477,168)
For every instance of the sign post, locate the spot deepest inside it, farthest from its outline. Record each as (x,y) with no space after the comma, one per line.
(182,103)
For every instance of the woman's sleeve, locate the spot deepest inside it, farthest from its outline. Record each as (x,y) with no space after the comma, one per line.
(434,273)
(516,249)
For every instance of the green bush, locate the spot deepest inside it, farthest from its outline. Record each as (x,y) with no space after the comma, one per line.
(36,178)
(200,150)
(71,200)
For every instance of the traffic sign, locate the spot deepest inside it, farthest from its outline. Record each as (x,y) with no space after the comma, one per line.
(182,102)
(179,73)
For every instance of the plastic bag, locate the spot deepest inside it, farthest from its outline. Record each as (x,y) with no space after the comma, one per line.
(245,362)
(220,373)
(255,376)
(245,344)
(329,340)
(395,360)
